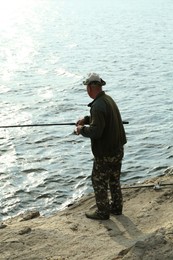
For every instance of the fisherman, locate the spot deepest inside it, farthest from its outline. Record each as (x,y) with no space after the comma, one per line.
(105,128)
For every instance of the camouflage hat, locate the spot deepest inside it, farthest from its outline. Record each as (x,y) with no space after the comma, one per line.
(93,77)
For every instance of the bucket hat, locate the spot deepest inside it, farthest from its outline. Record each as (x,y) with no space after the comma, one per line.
(94,77)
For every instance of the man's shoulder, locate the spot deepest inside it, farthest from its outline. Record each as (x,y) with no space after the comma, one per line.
(99,104)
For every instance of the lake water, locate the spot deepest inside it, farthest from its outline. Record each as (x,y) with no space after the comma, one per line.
(46,49)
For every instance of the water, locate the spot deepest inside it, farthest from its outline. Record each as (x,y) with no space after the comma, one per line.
(47,47)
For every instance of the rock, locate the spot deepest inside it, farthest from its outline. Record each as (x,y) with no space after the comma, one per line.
(30,215)
(25,230)
(2,225)
(74,227)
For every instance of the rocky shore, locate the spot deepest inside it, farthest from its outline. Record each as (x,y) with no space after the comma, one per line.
(144,231)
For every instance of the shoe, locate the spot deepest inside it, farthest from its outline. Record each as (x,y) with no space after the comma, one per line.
(115,212)
(97,215)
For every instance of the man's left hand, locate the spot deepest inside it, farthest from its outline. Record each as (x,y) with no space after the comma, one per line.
(78,129)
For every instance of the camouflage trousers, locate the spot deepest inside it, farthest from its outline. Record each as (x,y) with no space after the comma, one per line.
(106,174)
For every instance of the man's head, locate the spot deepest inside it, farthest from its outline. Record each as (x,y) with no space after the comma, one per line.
(93,77)
(94,84)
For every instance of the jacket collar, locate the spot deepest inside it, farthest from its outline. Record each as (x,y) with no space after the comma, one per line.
(99,95)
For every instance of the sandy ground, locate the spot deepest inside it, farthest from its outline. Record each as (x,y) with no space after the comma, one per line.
(144,231)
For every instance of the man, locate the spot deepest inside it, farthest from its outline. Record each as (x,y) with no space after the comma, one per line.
(105,129)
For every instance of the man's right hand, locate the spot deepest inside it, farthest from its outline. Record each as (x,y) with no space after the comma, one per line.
(80,122)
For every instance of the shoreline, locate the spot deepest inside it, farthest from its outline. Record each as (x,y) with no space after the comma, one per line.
(144,231)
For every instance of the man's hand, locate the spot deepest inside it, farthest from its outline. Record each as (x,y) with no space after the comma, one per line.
(78,129)
(80,122)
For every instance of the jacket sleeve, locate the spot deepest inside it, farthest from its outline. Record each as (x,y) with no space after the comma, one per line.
(87,120)
(97,125)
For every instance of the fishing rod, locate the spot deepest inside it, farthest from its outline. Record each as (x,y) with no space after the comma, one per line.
(157,186)
(35,125)
(40,125)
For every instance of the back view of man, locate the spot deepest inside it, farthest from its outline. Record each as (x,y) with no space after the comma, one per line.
(105,128)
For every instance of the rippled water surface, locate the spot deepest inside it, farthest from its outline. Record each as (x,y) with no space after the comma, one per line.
(47,47)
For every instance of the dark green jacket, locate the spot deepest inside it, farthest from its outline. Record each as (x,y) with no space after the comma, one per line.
(105,128)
